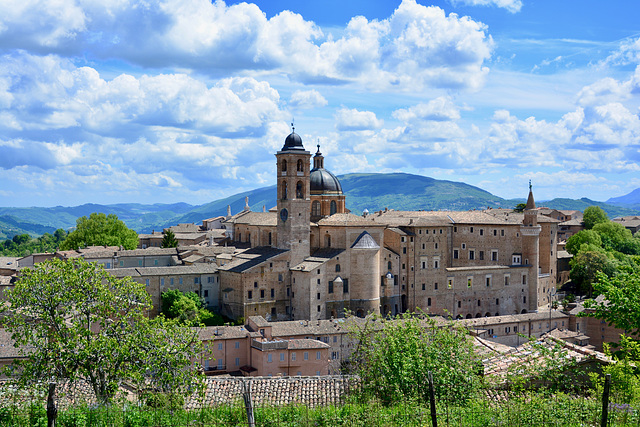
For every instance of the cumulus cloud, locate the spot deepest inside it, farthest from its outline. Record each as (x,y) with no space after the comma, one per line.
(354,120)
(512,6)
(417,46)
(439,109)
(627,53)
(305,99)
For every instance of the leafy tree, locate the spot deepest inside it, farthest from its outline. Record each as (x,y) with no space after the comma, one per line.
(588,237)
(21,245)
(71,320)
(188,309)
(100,229)
(20,239)
(393,357)
(614,236)
(621,303)
(585,267)
(520,207)
(169,240)
(593,215)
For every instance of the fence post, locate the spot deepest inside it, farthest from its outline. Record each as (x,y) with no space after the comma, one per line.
(248,405)
(432,401)
(605,400)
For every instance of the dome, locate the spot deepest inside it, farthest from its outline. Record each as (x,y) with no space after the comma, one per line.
(323,181)
(293,142)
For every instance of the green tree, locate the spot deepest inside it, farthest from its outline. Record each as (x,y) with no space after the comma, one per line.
(585,267)
(393,357)
(100,229)
(613,235)
(520,207)
(188,309)
(593,215)
(588,237)
(169,240)
(621,304)
(71,320)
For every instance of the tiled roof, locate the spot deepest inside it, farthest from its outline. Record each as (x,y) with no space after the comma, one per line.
(365,241)
(483,322)
(198,268)
(318,258)
(302,344)
(9,262)
(347,219)
(224,332)
(258,218)
(573,222)
(251,258)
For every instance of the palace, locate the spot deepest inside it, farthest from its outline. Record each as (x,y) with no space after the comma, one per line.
(310,258)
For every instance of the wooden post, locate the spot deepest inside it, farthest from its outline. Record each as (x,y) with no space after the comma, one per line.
(432,402)
(248,405)
(605,400)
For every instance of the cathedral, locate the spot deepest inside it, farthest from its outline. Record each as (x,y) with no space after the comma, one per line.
(310,258)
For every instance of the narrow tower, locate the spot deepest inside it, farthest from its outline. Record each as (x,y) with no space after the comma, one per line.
(530,248)
(293,198)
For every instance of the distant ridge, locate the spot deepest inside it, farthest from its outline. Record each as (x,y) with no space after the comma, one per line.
(631,200)
(400,191)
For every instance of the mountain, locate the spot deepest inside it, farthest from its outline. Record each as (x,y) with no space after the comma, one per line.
(374,192)
(631,200)
(581,204)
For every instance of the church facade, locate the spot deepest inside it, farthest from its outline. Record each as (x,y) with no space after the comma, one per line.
(310,258)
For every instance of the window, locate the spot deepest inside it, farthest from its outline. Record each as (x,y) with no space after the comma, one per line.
(404,250)
(459,304)
(171,282)
(345,286)
(472,254)
(495,232)
(300,166)
(455,254)
(478,303)
(482,231)
(506,280)
(299,190)
(450,283)
(318,309)
(455,229)
(333,208)
(282,357)
(428,302)
(273,293)
(337,268)
(139,263)
(249,294)
(524,300)
(155,262)
(424,246)
(318,355)
(424,286)
(403,266)
(206,293)
(469,282)
(306,355)
(237,344)
(269,358)
(284,166)
(146,282)
(516,259)
(436,262)
(435,286)
(464,246)
(237,361)
(219,346)
(488,280)
(162,281)
(220,364)
(180,280)
(471,229)
(121,263)
(502,233)
(318,295)
(330,286)
(436,245)
(261,293)
(389,265)
(481,255)
(402,239)
(494,255)
(293,356)
(524,279)
(497,302)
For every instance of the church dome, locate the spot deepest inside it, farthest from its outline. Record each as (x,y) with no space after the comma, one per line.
(323,182)
(293,142)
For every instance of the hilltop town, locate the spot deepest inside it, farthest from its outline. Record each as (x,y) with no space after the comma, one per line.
(290,275)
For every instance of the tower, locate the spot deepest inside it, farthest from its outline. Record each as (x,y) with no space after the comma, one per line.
(293,198)
(326,192)
(530,231)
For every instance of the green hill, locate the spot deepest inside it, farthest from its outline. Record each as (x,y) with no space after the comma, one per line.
(374,192)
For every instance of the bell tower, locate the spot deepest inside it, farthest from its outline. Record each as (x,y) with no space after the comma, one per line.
(530,231)
(293,227)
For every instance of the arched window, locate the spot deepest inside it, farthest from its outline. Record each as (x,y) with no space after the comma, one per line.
(299,190)
(284,166)
(389,265)
(315,208)
(284,190)
(334,207)
(337,268)
(300,166)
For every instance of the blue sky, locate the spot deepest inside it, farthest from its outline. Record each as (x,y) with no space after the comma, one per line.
(188,100)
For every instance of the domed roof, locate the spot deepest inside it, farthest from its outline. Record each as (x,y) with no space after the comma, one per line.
(293,142)
(323,181)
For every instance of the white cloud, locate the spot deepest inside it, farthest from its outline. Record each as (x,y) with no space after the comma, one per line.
(305,99)
(439,109)
(512,6)
(354,120)
(415,47)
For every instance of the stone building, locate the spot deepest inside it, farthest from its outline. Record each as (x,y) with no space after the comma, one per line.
(310,258)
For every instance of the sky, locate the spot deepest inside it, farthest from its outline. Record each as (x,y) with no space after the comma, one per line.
(164,101)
